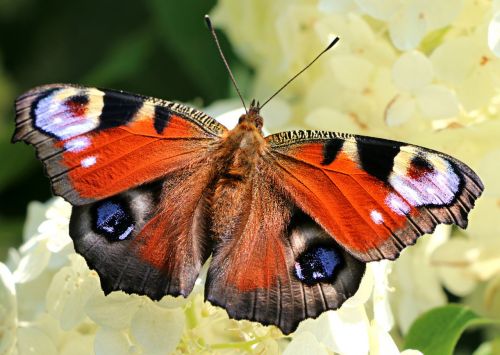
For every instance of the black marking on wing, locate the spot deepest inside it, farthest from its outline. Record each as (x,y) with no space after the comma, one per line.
(119,108)
(378,159)
(331,149)
(161,118)
(80,99)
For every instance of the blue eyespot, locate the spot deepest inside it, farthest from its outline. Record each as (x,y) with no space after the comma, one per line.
(317,264)
(113,220)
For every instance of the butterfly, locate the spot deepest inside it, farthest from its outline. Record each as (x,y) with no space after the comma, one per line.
(289,219)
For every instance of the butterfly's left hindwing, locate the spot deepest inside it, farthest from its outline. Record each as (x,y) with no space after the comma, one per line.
(150,240)
(97,143)
(373,196)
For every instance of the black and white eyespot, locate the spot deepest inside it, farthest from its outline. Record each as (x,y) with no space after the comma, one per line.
(318,263)
(113,219)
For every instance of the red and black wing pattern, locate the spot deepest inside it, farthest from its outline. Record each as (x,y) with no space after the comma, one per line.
(148,240)
(97,143)
(137,171)
(373,196)
(272,263)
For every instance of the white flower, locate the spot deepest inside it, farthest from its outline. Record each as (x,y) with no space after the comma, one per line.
(417,287)
(410,21)
(413,75)
(494,29)
(8,314)
(476,76)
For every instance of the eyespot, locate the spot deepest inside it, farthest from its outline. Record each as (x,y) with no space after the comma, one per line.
(317,264)
(113,220)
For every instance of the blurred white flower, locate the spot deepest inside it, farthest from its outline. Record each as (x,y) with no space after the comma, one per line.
(413,75)
(417,287)
(476,76)
(8,314)
(494,29)
(410,21)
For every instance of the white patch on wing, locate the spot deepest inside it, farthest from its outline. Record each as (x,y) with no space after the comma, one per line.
(434,187)
(53,116)
(376,217)
(77,144)
(397,204)
(88,162)
(126,233)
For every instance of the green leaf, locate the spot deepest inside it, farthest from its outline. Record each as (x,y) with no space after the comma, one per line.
(437,331)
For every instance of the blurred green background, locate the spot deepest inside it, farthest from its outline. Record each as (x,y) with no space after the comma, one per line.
(158,48)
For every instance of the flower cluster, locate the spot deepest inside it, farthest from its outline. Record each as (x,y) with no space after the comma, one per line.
(424,72)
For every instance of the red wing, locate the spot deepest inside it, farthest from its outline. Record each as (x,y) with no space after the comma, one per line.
(373,196)
(150,240)
(272,263)
(97,143)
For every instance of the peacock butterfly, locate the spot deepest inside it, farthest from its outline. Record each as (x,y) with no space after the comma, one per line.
(289,219)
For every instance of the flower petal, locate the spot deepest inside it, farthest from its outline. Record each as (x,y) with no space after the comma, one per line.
(8,310)
(400,110)
(69,291)
(304,343)
(78,344)
(111,341)
(381,342)
(381,307)
(114,310)
(380,9)
(31,340)
(407,28)
(494,34)
(157,330)
(412,71)
(352,71)
(34,217)
(35,260)
(453,260)
(437,102)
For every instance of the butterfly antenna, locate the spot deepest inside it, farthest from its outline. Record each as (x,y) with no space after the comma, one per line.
(332,43)
(214,35)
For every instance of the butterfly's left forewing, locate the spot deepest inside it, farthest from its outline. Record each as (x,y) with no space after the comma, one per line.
(96,143)
(137,171)
(373,196)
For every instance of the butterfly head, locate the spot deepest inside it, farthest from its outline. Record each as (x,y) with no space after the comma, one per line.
(252,116)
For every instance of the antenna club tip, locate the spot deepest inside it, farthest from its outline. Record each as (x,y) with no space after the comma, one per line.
(333,42)
(208,21)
